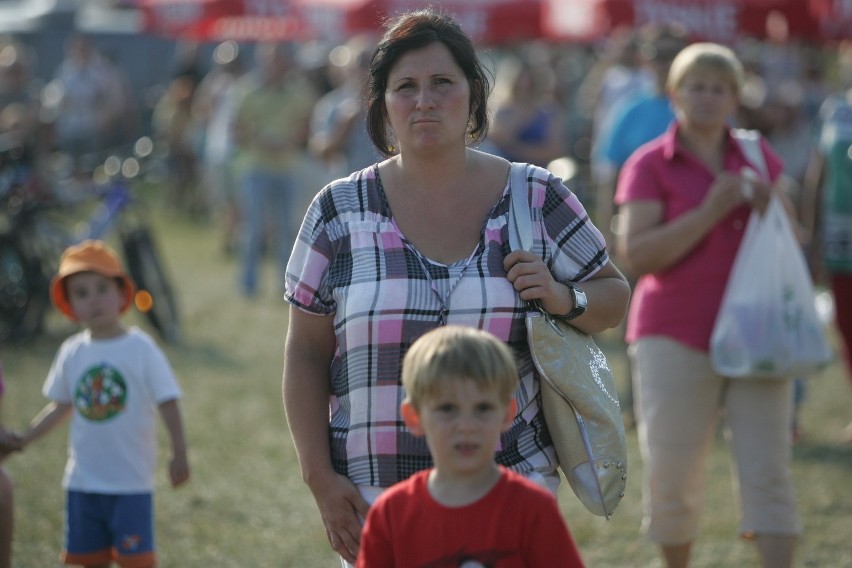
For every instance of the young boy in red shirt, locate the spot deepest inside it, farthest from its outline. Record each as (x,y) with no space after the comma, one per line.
(459,385)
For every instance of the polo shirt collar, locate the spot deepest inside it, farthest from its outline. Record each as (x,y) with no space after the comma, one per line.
(671,146)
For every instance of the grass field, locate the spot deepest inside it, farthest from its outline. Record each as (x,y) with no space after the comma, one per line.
(246,506)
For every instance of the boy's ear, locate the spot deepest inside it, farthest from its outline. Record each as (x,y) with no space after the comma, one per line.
(412,419)
(511,412)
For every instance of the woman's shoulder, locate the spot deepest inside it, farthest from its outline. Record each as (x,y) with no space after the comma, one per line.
(651,152)
(353,191)
(346,203)
(343,184)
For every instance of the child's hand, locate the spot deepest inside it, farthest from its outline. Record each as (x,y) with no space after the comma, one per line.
(10,442)
(178,470)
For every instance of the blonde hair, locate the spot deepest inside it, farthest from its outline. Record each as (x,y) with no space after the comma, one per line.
(452,353)
(706,56)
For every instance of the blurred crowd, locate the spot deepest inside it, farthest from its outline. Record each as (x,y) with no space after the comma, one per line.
(234,118)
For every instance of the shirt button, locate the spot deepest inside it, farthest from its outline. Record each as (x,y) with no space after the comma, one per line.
(738,225)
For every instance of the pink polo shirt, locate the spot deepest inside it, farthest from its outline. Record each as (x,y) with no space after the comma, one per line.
(682,301)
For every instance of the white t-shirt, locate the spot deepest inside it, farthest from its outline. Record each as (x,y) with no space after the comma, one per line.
(115,387)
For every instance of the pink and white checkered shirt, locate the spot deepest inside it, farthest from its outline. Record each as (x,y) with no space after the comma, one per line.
(352,261)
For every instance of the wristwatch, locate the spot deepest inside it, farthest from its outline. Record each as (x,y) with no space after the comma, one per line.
(580,303)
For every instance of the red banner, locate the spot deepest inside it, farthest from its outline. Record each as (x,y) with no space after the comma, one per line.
(832,18)
(723,21)
(487,21)
(216,20)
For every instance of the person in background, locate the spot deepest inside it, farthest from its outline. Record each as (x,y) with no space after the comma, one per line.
(84,103)
(213,113)
(19,105)
(112,381)
(616,75)
(271,125)
(175,130)
(412,243)
(459,394)
(639,117)
(339,136)
(528,122)
(684,213)
(827,211)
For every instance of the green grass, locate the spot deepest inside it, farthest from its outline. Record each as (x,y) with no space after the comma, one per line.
(245,505)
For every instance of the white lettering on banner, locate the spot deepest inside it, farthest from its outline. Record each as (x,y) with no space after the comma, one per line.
(255,27)
(572,19)
(713,20)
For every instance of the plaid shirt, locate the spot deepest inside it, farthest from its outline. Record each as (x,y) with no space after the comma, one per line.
(352,261)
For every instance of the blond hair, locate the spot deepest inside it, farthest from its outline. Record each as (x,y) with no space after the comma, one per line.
(706,56)
(452,353)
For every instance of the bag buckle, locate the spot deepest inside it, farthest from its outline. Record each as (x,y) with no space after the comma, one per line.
(535,306)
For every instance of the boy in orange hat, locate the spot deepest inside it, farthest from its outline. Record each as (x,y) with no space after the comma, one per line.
(112,380)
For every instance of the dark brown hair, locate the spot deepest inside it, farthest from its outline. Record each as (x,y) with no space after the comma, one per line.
(416,30)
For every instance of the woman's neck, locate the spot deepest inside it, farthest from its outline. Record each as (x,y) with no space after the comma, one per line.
(708,144)
(434,172)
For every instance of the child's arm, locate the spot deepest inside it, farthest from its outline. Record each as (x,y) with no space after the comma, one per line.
(178,464)
(49,418)
(9,442)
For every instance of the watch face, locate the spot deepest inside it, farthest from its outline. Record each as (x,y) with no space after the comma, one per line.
(580,299)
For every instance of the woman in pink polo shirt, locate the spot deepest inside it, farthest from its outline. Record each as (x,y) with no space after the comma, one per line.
(683,213)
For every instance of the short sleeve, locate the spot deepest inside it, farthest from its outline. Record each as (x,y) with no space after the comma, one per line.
(573,246)
(162,381)
(305,284)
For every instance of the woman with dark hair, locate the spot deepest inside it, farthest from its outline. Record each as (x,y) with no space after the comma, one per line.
(414,242)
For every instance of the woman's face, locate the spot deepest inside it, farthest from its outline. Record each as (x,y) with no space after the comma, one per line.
(427,99)
(705,98)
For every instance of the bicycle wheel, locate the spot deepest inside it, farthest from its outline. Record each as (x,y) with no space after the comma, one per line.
(23,293)
(146,269)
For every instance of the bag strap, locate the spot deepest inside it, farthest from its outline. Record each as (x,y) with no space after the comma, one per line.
(749,141)
(520,218)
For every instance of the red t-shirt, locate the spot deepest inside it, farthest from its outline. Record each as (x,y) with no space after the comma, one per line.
(682,301)
(517,524)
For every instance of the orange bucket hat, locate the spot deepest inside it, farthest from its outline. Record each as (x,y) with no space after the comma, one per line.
(88,256)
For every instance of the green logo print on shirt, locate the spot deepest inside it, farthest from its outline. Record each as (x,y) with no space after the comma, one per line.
(101,393)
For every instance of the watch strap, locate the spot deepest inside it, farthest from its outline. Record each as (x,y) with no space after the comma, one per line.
(579,306)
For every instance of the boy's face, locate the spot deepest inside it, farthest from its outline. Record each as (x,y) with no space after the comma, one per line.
(96,301)
(462,424)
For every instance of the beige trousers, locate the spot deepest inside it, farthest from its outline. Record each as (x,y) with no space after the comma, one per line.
(680,400)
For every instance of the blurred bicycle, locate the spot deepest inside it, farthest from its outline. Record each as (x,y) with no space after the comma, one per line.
(36,230)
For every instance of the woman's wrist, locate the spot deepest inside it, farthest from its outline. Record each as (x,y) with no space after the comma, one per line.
(579,303)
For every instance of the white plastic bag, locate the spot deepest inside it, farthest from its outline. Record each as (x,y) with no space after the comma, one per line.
(767,325)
